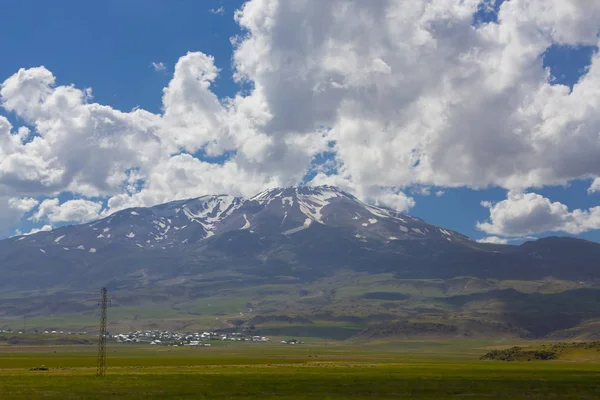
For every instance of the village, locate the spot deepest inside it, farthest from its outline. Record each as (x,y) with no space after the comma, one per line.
(167,338)
(47,332)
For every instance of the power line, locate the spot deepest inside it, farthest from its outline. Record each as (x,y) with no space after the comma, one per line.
(103,304)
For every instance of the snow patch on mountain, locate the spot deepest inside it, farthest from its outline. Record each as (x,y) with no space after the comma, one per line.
(314,200)
(247,224)
(287,202)
(311,210)
(445,232)
(307,223)
(266,195)
(378,212)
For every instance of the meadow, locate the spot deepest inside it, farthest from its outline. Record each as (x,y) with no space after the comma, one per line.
(449,369)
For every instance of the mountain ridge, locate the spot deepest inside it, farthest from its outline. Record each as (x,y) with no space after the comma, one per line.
(300,254)
(211,212)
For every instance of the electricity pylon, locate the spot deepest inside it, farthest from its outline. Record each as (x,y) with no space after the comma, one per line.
(103,304)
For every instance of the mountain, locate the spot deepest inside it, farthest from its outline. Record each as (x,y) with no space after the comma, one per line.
(273,212)
(298,254)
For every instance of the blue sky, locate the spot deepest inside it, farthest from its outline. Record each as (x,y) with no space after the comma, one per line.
(111,46)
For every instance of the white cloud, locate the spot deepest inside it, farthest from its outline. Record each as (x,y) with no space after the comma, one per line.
(11,211)
(595,186)
(81,147)
(24,205)
(440,193)
(217,11)
(415,95)
(78,210)
(390,198)
(523,214)
(159,66)
(493,240)
(45,228)
(402,93)
(193,116)
(422,190)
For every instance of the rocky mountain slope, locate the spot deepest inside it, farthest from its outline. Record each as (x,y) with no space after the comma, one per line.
(273,212)
(289,251)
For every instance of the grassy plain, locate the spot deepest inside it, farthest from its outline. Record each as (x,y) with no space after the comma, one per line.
(448,369)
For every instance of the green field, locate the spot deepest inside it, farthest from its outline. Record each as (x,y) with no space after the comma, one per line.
(410,369)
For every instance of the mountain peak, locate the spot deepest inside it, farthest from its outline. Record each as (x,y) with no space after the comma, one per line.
(278,211)
(324,190)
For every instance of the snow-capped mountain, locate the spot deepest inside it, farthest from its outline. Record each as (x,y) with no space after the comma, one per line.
(288,211)
(170,224)
(300,232)
(179,252)
(281,211)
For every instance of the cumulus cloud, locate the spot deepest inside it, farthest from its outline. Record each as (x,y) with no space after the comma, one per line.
(393,199)
(159,66)
(434,101)
(79,146)
(193,116)
(78,210)
(398,93)
(595,186)
(523,214)
(493,240)
(45,228)
(24,205)
(11,211)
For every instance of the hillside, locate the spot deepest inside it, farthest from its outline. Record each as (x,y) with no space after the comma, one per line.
(566,351)
(302,260)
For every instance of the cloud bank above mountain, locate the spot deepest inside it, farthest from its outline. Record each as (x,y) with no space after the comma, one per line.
(374,97)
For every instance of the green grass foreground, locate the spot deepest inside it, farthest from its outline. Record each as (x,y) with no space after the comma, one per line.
(426,370)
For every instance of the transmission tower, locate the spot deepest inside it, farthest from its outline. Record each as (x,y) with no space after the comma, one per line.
(103,304)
